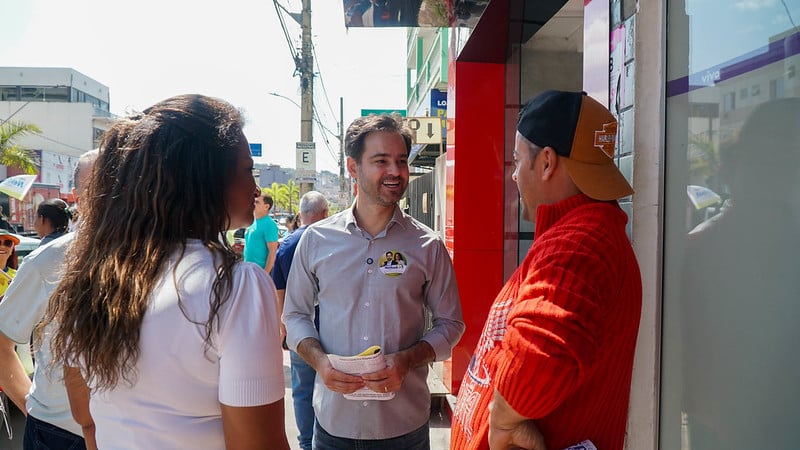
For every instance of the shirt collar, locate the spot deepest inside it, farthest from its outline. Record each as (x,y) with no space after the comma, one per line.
(398,217)
(548,215)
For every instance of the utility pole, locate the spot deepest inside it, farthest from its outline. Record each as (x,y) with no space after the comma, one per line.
(344,188)
(306,151)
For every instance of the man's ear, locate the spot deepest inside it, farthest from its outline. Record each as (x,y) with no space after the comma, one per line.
(77,199)
(352,168)
(549,162)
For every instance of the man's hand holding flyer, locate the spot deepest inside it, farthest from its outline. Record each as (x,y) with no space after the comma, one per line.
(368,361)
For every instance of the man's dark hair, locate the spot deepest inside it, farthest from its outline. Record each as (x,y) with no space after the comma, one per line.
(358,130)
(268,200)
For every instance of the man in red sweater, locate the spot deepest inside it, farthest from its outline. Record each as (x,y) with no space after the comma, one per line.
(553,365)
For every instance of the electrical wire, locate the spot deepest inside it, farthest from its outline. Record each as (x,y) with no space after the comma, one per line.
(286,35)
(321,82)
(298,61)
(789,14)
(61,143)
(326,140)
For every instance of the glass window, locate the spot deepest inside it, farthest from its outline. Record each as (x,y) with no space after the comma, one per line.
(776,88)
(30,93)
(9,93)
(731,301)
(729,102)
(55,94)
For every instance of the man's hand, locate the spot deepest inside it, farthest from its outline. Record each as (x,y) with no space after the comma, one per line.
(339,381)
(398,364)
(390,378)
(508,430)
(311,351)
(283,332)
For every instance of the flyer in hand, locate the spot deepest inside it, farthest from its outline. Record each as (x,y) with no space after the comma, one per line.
(370,360)
(585,445)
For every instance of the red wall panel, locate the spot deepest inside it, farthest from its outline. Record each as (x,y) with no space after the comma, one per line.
(475,185)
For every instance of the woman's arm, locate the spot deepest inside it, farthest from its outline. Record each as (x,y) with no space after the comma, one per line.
(78,395)
(13,379)
(255,427)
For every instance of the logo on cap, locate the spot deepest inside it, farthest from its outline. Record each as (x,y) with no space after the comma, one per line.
(605,140)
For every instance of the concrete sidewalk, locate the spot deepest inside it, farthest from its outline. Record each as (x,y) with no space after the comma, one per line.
(439,422)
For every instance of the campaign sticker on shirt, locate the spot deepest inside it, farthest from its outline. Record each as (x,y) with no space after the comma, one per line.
(392,263)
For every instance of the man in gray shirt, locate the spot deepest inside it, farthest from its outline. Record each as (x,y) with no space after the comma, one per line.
(339,264)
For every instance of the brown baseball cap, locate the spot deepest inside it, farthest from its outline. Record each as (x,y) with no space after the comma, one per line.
(584,133)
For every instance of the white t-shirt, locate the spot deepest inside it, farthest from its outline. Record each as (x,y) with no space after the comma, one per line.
(21,310)
(174,402)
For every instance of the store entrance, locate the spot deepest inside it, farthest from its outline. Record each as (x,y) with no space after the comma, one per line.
(549,56)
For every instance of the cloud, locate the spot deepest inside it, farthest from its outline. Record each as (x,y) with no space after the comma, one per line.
(753,5)
(780,19)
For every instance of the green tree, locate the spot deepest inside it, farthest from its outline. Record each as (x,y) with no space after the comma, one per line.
(704,161)
(279,194)
(286,196)
(13,154)
(294,197)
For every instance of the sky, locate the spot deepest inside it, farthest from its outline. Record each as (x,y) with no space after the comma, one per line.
(725,33)
(149,50)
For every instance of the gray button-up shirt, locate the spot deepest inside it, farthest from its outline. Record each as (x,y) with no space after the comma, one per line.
(367,299)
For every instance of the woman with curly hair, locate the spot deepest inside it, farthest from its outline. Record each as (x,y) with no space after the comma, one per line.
(176,337)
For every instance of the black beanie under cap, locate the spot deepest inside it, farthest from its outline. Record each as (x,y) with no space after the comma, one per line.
(550,119)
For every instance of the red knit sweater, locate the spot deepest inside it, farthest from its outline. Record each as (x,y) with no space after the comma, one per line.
(559,340)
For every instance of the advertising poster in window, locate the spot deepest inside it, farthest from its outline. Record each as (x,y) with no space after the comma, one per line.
(412,13)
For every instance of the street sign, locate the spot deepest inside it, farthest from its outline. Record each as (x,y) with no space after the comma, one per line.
(366,112)
(255,149)
(305,162)
(306,156)
(427,130)
(305,176)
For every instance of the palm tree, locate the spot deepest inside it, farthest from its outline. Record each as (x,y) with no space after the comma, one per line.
(294,196)
(279,194)
(704,163)
(15,155)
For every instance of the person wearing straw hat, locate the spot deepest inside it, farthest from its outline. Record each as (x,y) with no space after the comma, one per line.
(8,259)
(553,365)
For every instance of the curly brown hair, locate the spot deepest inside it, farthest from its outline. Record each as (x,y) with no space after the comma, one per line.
(160,178)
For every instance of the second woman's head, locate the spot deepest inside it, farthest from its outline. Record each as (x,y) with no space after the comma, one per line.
(52,216)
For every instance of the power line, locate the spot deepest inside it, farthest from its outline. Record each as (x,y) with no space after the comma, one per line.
(324,129)
(789,14)
(321,82)
(61,143)
(286,35)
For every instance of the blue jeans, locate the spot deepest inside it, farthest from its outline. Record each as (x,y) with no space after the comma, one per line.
(302,396)
(41,435)
(419,439)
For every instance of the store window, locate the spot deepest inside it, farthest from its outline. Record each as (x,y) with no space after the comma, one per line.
(731,301)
